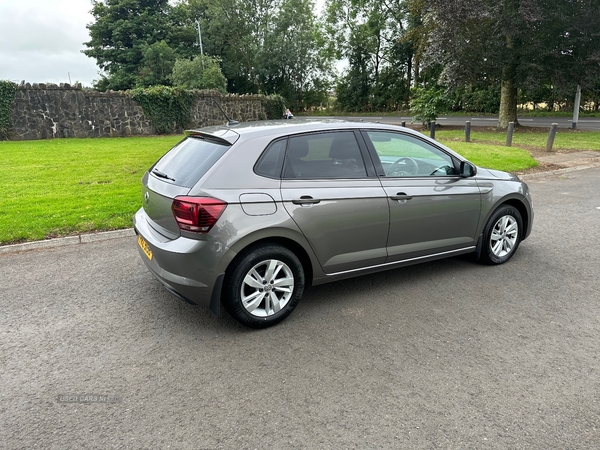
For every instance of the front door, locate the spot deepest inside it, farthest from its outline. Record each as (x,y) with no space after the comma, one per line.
(432,209)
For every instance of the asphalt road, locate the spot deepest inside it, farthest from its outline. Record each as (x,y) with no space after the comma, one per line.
(449,355)
(487,121)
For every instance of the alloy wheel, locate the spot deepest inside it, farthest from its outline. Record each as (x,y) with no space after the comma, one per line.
(504,236)
(267,288)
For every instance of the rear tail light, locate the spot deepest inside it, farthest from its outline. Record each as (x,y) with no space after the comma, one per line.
(197,214)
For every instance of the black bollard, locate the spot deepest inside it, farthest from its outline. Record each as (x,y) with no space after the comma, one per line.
(468,131)
(509,133)
(432,130)
(551,136)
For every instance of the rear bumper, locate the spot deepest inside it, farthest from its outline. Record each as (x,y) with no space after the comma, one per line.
(177,265)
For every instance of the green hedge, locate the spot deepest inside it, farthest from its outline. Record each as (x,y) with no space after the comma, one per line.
(168,108)
(7,98)
(274,106)
(427,104)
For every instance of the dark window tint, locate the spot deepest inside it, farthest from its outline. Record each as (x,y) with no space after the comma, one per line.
(271,161)
(324,155)
(188,161)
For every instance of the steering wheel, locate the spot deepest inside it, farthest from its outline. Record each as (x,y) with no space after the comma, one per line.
(403,166)
(443,170)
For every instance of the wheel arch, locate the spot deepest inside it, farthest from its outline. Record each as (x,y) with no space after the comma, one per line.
(525,216)
(516,203)
(286,242)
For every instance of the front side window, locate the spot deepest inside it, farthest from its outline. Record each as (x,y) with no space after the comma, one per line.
(407,156)
(324,155)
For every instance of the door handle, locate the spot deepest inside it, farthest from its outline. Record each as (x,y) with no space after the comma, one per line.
(401,196)
(306,200)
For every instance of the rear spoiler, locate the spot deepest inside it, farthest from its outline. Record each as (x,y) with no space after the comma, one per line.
(227,138)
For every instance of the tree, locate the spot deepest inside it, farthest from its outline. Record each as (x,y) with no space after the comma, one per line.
(372,36)
(267,46)
(574,34)
(514,43)
(122,32)
(426,104)
(157,64)
(203,72)
(235,32)
(293,61)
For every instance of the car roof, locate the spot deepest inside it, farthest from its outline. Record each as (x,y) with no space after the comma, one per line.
(286,127)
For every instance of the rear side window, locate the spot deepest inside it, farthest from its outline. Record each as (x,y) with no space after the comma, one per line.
(271,161)
(324,155)
(188,161)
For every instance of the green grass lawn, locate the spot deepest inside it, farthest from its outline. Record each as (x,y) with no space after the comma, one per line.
(565,139)
(407,113)
(488,149)
(65,186)
(509,159)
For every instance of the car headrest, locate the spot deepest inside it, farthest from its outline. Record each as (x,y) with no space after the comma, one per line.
(298,148)
(344,146)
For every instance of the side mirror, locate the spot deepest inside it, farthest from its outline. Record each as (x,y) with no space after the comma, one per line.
(467,169)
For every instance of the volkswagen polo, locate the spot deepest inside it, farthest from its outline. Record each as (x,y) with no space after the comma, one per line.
(246,218)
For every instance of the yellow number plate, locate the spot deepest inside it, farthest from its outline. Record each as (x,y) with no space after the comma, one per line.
(145,247)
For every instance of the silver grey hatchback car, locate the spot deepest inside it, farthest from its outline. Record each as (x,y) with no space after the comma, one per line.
(248,217)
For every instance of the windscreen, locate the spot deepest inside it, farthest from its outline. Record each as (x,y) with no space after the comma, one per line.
(188,161)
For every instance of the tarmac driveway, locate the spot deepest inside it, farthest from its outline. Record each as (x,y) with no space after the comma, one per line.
(95,354)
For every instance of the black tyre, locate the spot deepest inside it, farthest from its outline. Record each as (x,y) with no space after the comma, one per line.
(263,286)
(502,235)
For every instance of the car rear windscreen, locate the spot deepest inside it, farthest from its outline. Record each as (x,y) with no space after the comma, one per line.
(189,160)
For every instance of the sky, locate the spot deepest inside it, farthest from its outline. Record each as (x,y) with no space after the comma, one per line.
(41,41)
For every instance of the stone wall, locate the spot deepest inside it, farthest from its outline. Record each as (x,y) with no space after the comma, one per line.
(243,108)
(43,111)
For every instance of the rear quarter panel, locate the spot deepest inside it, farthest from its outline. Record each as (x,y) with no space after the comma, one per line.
(232,178)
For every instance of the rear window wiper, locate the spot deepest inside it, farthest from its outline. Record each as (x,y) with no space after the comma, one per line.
(160,174)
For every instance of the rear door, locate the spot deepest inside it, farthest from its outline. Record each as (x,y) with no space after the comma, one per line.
(432,209)
(335,200)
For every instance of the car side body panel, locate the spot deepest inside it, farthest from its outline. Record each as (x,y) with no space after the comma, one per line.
(431,215)
(347,225)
